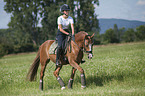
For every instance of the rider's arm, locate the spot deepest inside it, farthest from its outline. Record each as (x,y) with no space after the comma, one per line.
(60,28)
(72,28)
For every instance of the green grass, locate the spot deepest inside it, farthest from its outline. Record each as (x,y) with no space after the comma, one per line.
(114,70)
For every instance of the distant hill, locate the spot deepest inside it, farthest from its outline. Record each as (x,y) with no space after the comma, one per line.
(109,23)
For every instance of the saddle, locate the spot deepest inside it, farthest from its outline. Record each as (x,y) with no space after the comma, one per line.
(66,43)
(53,48)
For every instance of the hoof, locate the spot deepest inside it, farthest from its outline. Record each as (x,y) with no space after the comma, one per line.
(70,88)
(62,88)
(83,87)
(41,89)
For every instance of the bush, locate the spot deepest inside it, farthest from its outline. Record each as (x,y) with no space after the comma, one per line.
(9,49)
(2,50)
(28,47)
(97,42)
(6,49)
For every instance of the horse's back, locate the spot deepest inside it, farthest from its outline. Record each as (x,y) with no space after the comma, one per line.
(46,45)
(44,48)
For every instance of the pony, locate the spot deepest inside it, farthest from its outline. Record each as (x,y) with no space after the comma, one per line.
(83,43)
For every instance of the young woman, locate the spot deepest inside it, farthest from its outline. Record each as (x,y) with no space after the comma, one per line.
(63,21)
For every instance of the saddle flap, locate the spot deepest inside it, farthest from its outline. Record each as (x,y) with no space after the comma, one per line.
(66,43)
(53,48)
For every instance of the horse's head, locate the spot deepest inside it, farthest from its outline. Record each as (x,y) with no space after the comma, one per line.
(88,45)
(85,41)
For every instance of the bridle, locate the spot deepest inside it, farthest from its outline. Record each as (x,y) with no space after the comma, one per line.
(85,45)
(84,49)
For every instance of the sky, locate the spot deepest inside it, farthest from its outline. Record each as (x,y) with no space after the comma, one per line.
(119,9)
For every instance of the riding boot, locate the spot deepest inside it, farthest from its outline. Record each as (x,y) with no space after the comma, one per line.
(58,53)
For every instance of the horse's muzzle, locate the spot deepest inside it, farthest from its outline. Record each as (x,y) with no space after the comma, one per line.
(90,55)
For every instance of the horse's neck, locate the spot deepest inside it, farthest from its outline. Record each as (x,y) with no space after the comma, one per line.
(80,44)
(80,38)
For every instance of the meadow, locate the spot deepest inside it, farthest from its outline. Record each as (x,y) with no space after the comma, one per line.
(117,69)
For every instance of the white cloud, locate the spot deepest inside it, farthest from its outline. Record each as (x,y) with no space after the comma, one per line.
(141,2)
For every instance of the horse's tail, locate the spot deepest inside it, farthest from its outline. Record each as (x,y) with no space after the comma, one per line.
(31,76)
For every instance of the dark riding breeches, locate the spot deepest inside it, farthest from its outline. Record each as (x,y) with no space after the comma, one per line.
(60,39)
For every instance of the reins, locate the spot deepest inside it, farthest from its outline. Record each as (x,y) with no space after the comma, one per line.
(67,43)
(79,47)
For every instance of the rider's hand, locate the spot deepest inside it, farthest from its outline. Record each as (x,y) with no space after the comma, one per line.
(70,35)
(67,34)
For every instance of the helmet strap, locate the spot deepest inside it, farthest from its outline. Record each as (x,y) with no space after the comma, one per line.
(65,14)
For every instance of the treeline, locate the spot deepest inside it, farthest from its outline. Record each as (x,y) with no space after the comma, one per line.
(24,34)
(119,35)
(13,42)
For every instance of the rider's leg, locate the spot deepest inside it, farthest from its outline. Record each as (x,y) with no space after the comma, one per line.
(58,53)
(60,39)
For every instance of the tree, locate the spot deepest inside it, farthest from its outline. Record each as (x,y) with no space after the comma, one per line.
(110,36)
(83,12)
(140,33)
(129,35)
(121,33)
(24,18)
(6,41)
(26,14)
(116,31)
(50,10)
(49,13)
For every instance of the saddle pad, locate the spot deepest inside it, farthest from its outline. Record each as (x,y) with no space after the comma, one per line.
(53,48)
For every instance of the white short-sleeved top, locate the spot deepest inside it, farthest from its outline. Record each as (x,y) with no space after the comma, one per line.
(65,22)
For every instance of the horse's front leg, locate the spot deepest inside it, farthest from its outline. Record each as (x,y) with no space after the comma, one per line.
(83,79)
(60,81)
(70,83)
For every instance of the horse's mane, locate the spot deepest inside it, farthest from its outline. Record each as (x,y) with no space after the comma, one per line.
(80,35)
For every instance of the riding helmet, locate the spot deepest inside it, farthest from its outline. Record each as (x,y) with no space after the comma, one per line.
(64,7)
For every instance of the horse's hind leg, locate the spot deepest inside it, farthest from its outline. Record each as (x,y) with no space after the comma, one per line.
(43,66)
(70,83)
(56,74)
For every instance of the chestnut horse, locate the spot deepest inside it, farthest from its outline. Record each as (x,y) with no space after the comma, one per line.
(83,43)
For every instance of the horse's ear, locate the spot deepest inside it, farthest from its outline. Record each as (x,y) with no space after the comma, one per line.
(93,35)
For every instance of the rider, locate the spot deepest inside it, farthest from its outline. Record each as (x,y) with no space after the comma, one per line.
(63,22)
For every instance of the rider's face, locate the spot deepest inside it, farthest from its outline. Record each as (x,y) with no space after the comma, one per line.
(66,12)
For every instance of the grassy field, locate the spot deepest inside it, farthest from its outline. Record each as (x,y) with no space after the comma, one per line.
(114,70)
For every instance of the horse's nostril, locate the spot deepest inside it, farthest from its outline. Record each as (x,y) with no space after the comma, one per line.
(90,56)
